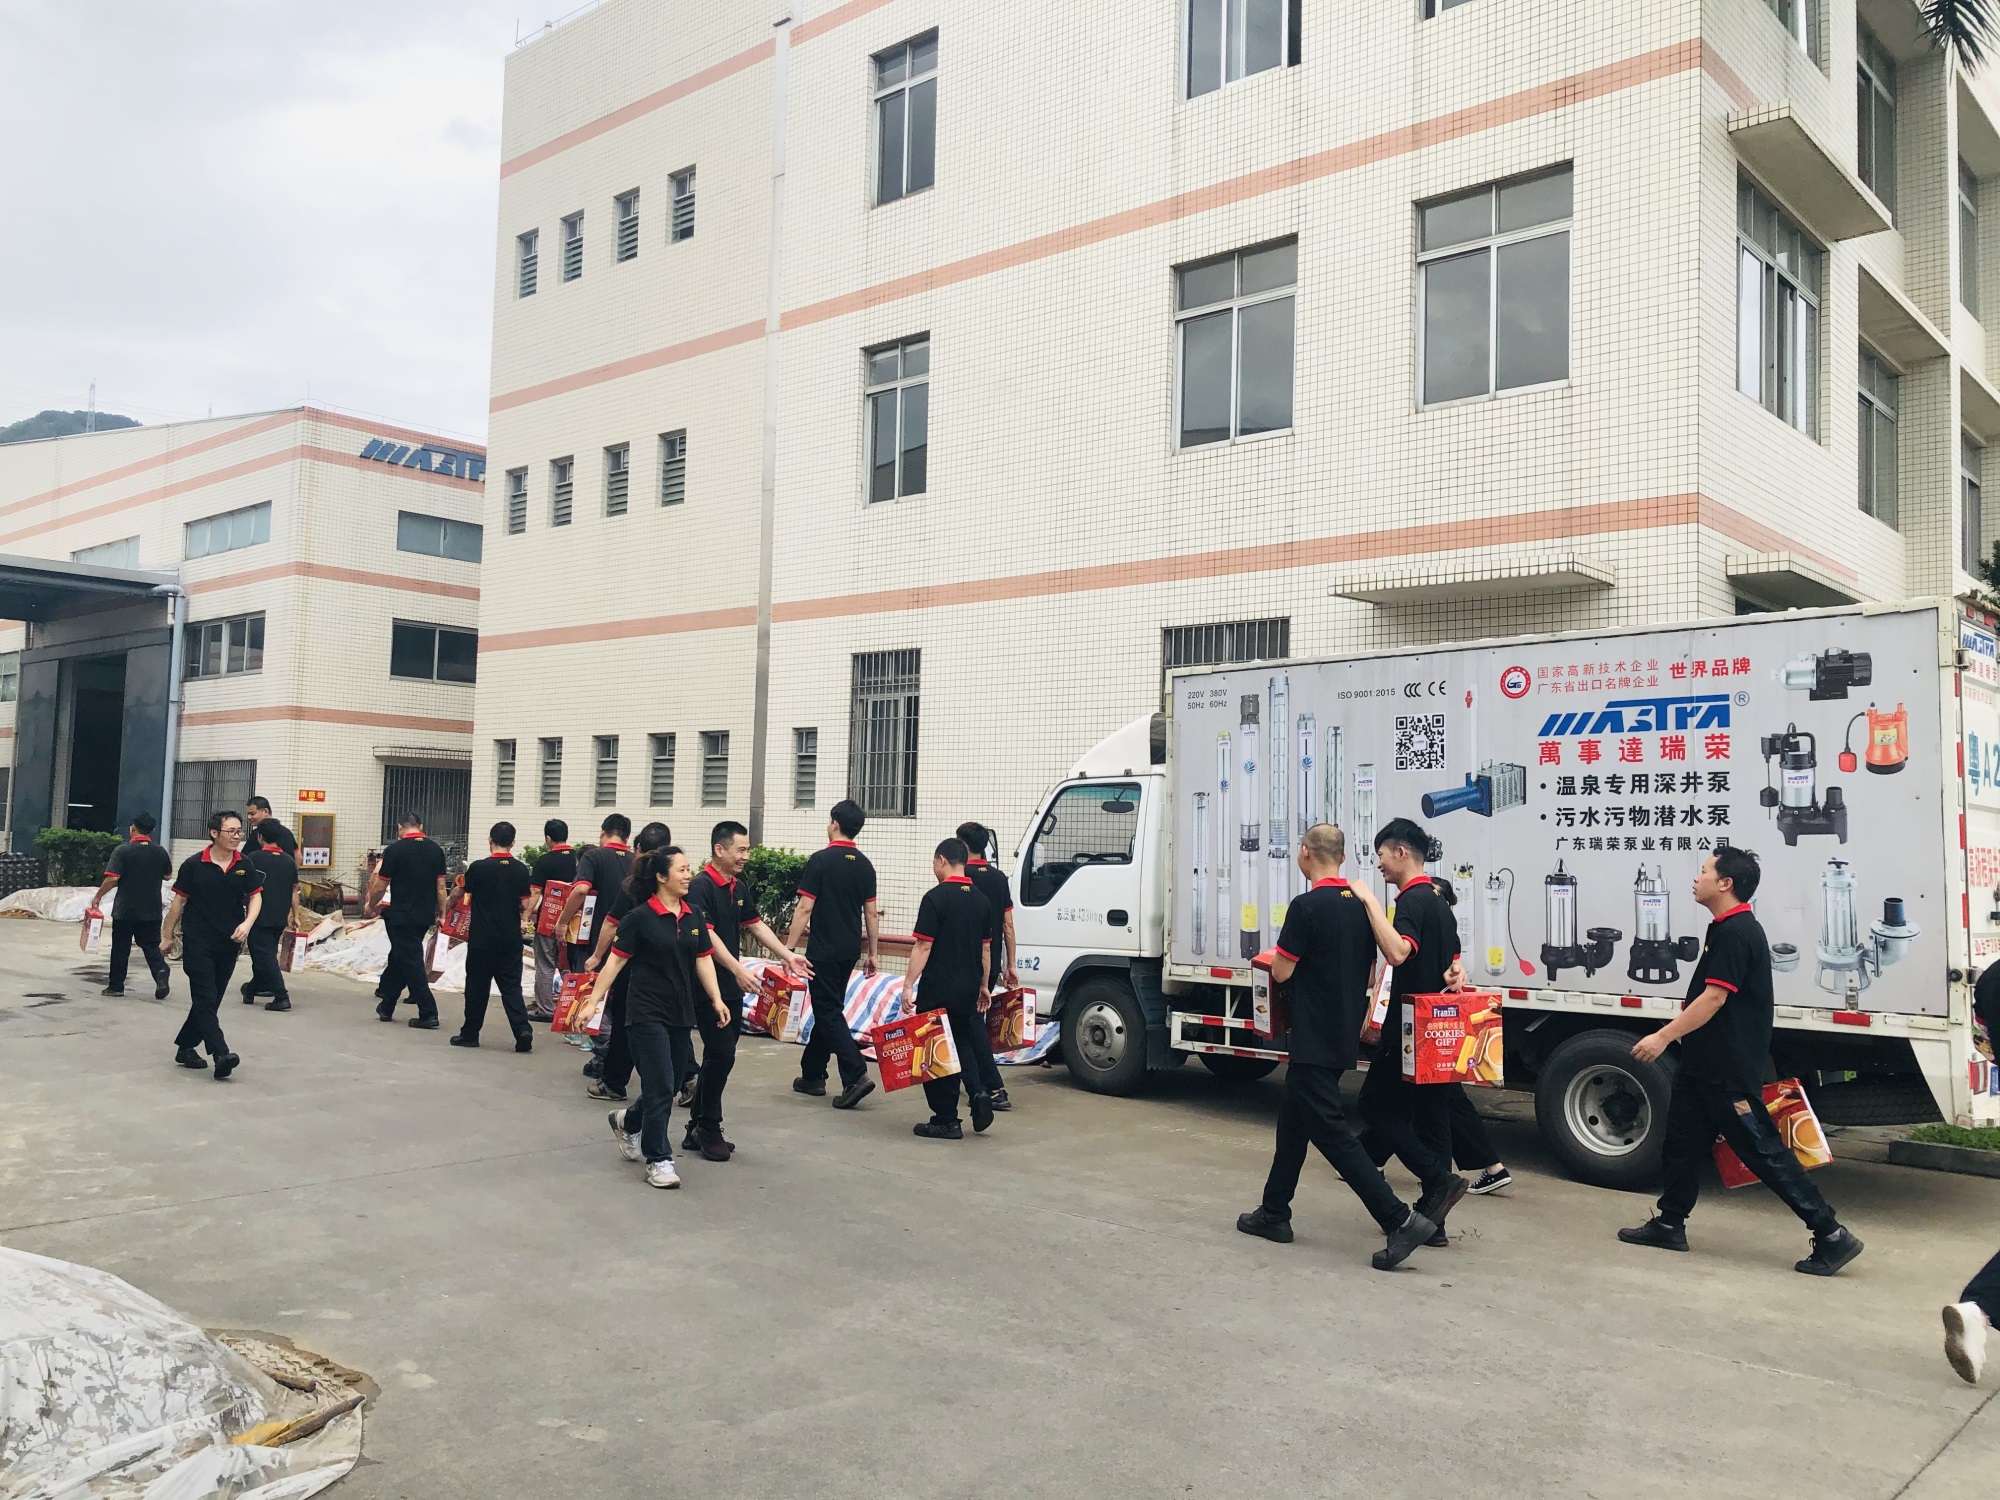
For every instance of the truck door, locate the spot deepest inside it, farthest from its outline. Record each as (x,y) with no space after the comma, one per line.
(1081,879)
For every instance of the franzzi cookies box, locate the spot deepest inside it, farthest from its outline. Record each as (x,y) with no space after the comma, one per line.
(578,930)
(778,1007)
(574,1007)
(1378,1006)
(93,929)
(1798,1128)
(916,1049)
(1453,1038)
(457,923)
(1010,1019)
(553,895)
(1270,1001)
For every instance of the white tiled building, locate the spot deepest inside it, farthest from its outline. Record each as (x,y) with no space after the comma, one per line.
(965,353)
(331,569)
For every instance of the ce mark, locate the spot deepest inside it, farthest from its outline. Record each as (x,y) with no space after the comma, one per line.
(1438,689)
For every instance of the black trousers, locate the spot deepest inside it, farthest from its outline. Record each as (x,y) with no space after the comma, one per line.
(718,1057)
(1985,1290)
(145,931)
(1698,1113)
(484,968)
(208,967)
(1410,1121)
(1471,1147)
(965,1021)
(1310,1114)
(662,1054)
(266,978)
(613,1045)
(830,1035)
(407,971)
(984,1066)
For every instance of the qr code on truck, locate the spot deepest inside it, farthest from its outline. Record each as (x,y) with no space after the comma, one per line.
(1420,742)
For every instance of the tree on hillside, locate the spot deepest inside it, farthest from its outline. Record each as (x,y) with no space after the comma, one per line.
(48,424)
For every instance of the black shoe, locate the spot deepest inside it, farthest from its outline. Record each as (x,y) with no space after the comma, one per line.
(1659,1234)
(460,1039)
(1001,1103)
(385,1010)
(1438,1241)
(423,1023)
(525,1042)
(1403,1241)
(187,1057)
(982,1113)
(1262,1222)
(594,1068)
(114,994)
(159,990)
(685,1098)
(1491,1182)
(1829,1253)
(1441,1197)
(283,1002)
(939,1130)
(855,1092)
(225,1065)
(708,1142)
(249,994)
(813,1086)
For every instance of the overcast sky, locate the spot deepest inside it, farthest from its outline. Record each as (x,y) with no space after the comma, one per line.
(232,204)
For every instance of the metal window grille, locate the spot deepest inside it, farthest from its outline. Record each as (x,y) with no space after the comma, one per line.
(604,790)
(223,648)
(572,250)
(529,262)
(906,118)
(517,501)
(899,423)
(714,767)
(673,467)
(805,767)
(617,478)
(552,772)
(682,223)
(882,733)
(1223,642)
(440,795)
(660,785)
(628,225)
(561,489)
(503,772)
(202,787)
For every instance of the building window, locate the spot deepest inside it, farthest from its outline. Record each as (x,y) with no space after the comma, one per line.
(604,789)
(1972,529)
(1435,8)
(905,118)
(673,467)
(805,767)
(627,205)
(503,772)
(681,223)
(517,501)
(714,767)
(1800,18)
(899,418)
(229,531)
(1875,115)
(1968,248)
(202,787)
(882,732)
(526,262)
(617,478)
(433,653)
(660,779)
(10,677)
(123,553)
(1234,319)
(1777,311)
(223,648)
(572,247)
(561,473)
(435,536)
(1232,39)
(1493,268)
(1879,391)
(551,772)
(1224,642)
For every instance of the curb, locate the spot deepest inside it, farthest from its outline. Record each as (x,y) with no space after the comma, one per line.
(1937,1158)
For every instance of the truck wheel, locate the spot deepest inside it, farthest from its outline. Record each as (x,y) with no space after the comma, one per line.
(1237,1069)
(1104,1037)
(1603,1111)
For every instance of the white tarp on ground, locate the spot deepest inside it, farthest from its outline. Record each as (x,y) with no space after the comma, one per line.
(66,903)
(360,950)
(105,1394)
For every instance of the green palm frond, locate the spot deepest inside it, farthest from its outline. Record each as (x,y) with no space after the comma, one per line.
(1968,29)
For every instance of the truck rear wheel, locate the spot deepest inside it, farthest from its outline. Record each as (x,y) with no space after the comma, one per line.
(1603,1111)
(1104,1036)
(1237,1069)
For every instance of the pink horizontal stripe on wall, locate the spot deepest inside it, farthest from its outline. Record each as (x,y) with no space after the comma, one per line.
(368,428)
(708,343)
(157,461)
(299,713)
(329,574)
(611,630)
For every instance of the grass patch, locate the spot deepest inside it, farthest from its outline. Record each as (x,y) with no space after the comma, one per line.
(1977,1137)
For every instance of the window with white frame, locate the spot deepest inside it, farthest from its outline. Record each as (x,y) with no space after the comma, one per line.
(882,732)
(805,767)
(433,653)
(1875,114)
(10,677)
(1234,321)
(562,490)
(604,788)
(123,553)
(517,501)
(617,478)
(1229,40)
(660,777)
(439,536)
(1968,241)
(551,781)
(1493,288)
(572,247)
(680,223)
(1435,8)
(223,648)
(1800,18)
(899,418)
(714,767)
(673,467)
(906,118)
(503,772)
(1777,311)
(229,531)
(526,262)
(1971,520)
(626,213)
(1880,389)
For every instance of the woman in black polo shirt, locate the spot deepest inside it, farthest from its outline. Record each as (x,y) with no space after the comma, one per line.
(665,944)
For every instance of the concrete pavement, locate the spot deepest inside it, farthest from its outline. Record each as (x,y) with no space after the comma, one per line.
(1061,1308)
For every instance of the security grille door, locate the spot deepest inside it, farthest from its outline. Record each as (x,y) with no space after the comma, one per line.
(440,795)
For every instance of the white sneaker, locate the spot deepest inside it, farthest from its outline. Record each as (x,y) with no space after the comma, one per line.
(628,1147)
(662,1174)
(1965,1340)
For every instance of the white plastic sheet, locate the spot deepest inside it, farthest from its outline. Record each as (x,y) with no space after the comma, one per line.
(55,903)
(360,950)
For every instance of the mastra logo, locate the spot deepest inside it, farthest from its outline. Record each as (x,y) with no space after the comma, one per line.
(1642,716)
(454,462)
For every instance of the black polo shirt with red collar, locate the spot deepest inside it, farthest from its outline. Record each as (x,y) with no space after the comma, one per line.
(602,868)
(1328,936)
(413,866)
(557,862)
(1731,1049)
(1423,918)
(140,865)
(726,905)
(954,919)
(217,898)
(660,947)
(991,882)
(841,882)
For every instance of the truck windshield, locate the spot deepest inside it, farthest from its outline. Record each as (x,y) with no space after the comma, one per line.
(1095,823)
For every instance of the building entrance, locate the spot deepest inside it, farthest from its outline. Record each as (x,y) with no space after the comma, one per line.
(94,729)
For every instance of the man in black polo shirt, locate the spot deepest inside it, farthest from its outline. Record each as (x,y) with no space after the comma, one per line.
(836,903)
(600,871)
(275,834)
(1724,1032)
(1325,952)
(499,889)
(412,872)
(136,867)
(1410,1120)
(216,900)
(280,909)
(948,969)
(557,862)
(726,904)
(991,882)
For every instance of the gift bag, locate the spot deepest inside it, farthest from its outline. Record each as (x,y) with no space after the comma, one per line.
(1441,1038)
(92,931)
(1010,1020)
(554,893)
(457,923)
(1798,1128)
(1270,1001)
(576,1004)
(916,1049)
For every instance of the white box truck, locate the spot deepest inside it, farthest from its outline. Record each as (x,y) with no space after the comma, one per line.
(1575,784)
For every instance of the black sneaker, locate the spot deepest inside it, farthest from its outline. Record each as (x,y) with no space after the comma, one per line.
(1829,1253)
(939,1130)
(226,1064)
(423,1023)
(283,1002)
(114,994)
(1441,1197)
(159,990)
(601,1090)
(1261,1222)
(1438,1241)
(855,1092)
(525,1042)
(385,1010)
(1659,1234)
(460,1039)
(982,1113)
(1001,1103)
(187,1057)
(594,1068)
(685,1098)
(1403,1241)
(1491,1182)
(249,994)
(813,1086)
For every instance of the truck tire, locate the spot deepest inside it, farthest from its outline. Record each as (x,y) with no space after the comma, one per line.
(1882,1101)
(1104,1036)
(1237,1069)
(1603,1111)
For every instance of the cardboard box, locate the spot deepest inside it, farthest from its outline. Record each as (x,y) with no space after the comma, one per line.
(1010,1020)
(92,931)
(457,923)
(1798,1127)
(574,1004)
(1452,1038)
(1378,1007)
(778,1007)
(916,1049)
(578,930)
(1270,1001)
(554,893)
(288,949)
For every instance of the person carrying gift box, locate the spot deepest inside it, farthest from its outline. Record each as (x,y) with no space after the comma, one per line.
(991,882)
(499,890)
(1325,953)
(556,865)
(136,870)
(611,1053)
(280,910)
(1724,1034)
(836,908)
(952,958)
(411,874)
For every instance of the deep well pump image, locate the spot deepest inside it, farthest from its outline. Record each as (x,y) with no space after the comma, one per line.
(1829,674)
(1250,831)
(1494,787)
(1799,809)
(1656,953)
(1562,950)
(1847,960)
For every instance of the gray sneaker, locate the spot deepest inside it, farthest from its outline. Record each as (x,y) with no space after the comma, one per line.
(628,1147)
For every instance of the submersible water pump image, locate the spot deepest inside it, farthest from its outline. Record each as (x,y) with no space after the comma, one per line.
(1829,674)
(1799,809)
(1250,831)
(1656,953)
(1494,787)
(1562,950)
(1888,746)
(1848,961)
